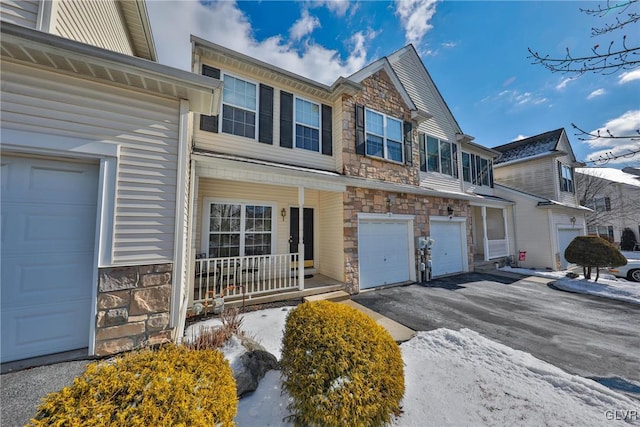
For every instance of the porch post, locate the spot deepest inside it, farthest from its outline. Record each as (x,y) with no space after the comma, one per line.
(301,238)
(506,230)
(485,240)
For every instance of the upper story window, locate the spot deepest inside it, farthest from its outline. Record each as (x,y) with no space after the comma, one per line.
(600,204)
(239,107)
(566,178)
(477,170)
(383,136)
(439,156)
(307,125)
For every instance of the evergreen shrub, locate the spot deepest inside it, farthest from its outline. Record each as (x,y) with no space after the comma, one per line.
(340,367)
(173,385)
(628,240)
(593,251)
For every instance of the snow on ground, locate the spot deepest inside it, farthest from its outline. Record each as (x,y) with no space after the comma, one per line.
(607,286)
(454,378)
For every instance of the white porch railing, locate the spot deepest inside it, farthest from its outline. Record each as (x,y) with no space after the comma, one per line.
(244,276)
(498,248)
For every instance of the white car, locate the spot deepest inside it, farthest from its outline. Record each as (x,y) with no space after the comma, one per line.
(631,271)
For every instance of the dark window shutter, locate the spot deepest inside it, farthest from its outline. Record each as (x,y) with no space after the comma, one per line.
(491,174)
(327,130)
(360,139)
(286,119)
(454,159)
(209,123)
(265,124)
(478,170)
(423,154)
(610,232)
(408,143)
(572,188)
(607,204)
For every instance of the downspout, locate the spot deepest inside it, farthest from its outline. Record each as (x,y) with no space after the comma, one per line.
(181,233)
(515,231)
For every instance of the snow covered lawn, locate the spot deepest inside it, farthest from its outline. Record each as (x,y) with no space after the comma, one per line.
(607,286)
(453,378)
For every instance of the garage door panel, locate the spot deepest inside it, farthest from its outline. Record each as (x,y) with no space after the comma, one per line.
(384,253)
(48,214)
(565,236)
(447,252)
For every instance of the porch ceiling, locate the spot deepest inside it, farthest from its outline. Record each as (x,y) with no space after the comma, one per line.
(220,166)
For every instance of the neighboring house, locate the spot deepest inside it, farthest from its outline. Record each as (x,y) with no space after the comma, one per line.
(333,182)
(613,195)
(93,171)
(537,173)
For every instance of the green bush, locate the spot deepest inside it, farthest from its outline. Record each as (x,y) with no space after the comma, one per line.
(593,251)
(628,240)
(340,367)
(170,386)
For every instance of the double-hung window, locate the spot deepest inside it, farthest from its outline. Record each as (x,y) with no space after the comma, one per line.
(566,178)
(477,170)
(440,156)
(239,107)
(600,204)
(239,229)
(307,125)
(383,136)
(604,231)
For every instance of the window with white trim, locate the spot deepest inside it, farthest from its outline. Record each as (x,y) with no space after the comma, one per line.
(383,136)
(604,231)
(566,178)
(307,125)
(441,156)
(239,229)
(239,107)
(600,204)
(477,170)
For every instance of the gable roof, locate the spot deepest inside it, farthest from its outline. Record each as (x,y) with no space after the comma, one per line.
(383,64)
(611,174)
(534,146)
(136,19)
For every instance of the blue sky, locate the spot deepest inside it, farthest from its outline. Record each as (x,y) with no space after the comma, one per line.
(475,51)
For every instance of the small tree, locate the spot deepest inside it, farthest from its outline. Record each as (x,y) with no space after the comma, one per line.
(593,251)
(628,240)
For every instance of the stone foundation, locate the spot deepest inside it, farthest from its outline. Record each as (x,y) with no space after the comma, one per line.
(133,309)
(374,201)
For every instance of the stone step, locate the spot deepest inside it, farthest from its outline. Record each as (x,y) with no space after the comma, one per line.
(335,296)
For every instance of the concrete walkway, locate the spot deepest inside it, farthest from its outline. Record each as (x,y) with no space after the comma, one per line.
(398,331)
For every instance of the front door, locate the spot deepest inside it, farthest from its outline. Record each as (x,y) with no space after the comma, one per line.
(308,234)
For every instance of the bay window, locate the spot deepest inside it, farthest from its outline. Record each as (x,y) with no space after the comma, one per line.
(477,170)
(439,156)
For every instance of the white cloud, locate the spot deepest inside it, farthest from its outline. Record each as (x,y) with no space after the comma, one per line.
(449,44)
(518,98)
(595,93)
(225,24)
(339,7)
(519,137)
(629,76)
(303,26)
(563,83)
(625,125)
(414,17)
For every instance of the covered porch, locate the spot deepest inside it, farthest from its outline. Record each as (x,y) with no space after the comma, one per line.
(490,232)
(263,231)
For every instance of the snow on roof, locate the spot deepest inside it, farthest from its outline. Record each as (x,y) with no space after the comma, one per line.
(528,147)
(611,174)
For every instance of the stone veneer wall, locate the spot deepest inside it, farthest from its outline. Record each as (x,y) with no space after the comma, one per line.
(378,94)
(374,201)
(133,307)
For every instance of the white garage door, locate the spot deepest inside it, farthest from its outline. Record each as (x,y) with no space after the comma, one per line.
(48,226)
(383,252)
(565,236)
(447,253)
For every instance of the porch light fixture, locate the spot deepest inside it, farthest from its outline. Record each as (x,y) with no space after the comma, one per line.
(573,221)
(283,214)
(450,211)
(390,201)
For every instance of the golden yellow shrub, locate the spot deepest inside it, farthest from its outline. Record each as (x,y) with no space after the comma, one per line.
(340,367)
(170,386)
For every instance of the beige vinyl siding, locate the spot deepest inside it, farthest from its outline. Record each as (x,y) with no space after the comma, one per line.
(537,176)
(439,181)
(20,12)
(144,127)
(425,96)
(98,23)
(331,235)
(339,121)
(247,147)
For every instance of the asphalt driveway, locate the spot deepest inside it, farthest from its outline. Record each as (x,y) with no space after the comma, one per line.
(584,335)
